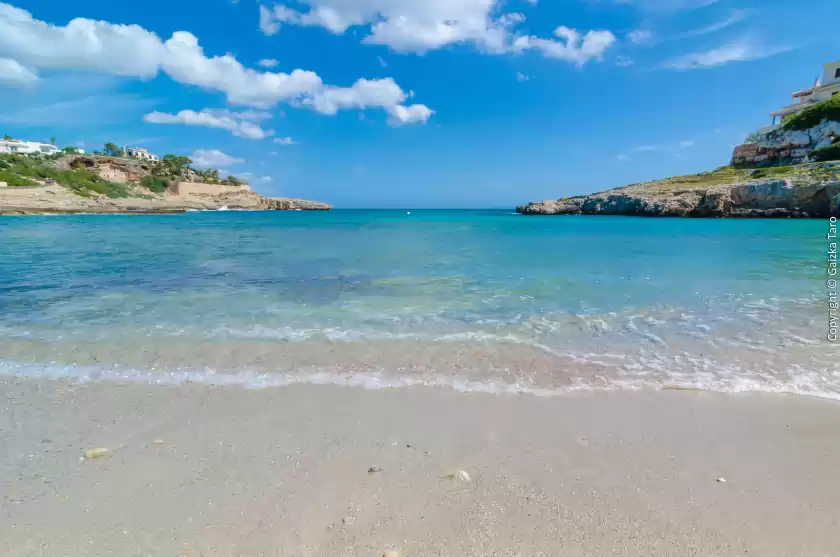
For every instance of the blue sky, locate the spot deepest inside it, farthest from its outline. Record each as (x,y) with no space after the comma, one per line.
(403,103)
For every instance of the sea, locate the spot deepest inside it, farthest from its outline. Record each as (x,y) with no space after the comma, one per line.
(471,300)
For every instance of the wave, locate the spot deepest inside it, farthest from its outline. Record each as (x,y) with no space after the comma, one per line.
(803,383)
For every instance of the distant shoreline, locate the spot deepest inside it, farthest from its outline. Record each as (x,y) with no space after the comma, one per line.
(797,191)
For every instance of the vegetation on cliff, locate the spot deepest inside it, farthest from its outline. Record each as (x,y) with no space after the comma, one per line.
(79,173)
(728,175)
(813,115)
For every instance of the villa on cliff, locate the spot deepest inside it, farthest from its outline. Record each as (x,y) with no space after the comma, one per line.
(823,89)
(19,147)
(139,153)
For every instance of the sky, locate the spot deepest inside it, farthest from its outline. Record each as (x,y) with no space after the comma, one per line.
(409,103)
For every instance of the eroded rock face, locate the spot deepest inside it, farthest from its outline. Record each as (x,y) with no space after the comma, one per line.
(786,146)
(771,198)
(289,204)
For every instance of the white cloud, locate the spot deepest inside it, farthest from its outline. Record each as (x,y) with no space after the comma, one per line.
(738,51)
(213,158)
(638,36)
(126,50)
(266,179)
(414,26)
(623,61)
(382,61)
(522,77)
(269,25)
(669,5)
(283,141)
(130,50)
(622,157)
(13,74)
(574,48)
(735,17)
(239,124)
(401,115)
(269,63)
(686,143)
(377,93)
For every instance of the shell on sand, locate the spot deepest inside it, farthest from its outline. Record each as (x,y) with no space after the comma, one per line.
(95,453)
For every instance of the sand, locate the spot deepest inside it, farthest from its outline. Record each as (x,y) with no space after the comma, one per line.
(324,470)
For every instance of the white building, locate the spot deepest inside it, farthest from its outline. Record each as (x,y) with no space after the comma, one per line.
(18,147)
(140,153)
(822,90)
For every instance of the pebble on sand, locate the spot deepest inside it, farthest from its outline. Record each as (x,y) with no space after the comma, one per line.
(95,453)
(391,553)
(721,480)
(374,469)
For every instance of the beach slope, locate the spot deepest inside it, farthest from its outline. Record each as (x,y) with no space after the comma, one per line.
(319,470)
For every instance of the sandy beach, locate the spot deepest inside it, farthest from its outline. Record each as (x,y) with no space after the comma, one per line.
(325,470)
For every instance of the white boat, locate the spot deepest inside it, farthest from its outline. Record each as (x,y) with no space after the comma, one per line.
(223,208)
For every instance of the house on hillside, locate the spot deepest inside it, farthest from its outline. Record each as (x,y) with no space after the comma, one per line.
(19,147)
(822,90)
(140,153)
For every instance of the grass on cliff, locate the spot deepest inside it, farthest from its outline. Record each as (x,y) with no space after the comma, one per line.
(83,182)
(727,175)
(13,180)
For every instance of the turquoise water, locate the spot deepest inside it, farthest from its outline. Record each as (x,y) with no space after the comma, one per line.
(472,300)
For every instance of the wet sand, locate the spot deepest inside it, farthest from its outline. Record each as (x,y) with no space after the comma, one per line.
(221,471)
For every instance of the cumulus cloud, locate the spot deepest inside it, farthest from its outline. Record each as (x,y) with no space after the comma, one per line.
(269,63)
(401,115)
(572,47)
(13,74)
(283,141)
(213,158)
(364,94)
(411,26)
(240,124)
(737,51)
(130,50)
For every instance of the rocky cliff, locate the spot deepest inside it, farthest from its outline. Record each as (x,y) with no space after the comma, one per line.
(796,191)
(126,194)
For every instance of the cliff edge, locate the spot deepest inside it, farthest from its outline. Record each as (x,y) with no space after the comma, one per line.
(98,184)
(808,190)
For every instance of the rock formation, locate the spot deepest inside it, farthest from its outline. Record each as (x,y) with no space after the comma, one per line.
(191,194)
(812,191)
(783,146)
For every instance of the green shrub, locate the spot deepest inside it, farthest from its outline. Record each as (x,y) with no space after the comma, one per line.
(830,153)
(155,184)
(812,116)
(13,180)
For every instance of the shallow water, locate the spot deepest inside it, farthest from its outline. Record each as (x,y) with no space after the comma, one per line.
(471,300)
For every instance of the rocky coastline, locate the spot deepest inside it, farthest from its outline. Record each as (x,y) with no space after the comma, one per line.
(802,191)
(189,194)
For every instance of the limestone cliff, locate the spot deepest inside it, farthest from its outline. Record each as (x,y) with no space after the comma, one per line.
(127,194)
(798,191)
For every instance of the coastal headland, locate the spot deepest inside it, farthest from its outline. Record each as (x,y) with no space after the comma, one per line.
(75,184)
(786,170)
